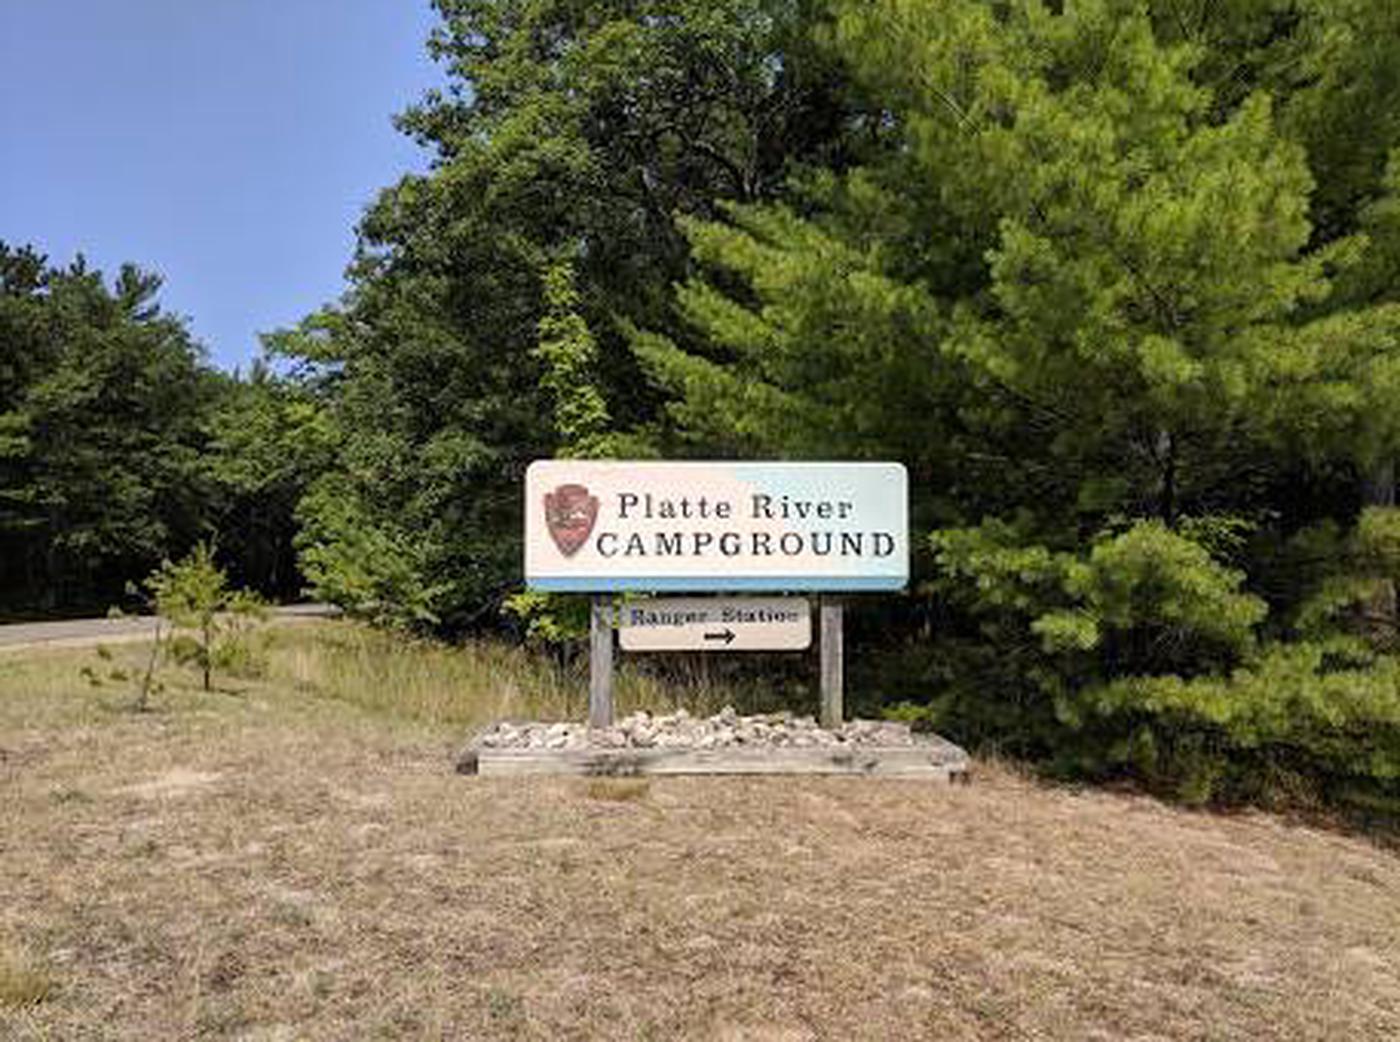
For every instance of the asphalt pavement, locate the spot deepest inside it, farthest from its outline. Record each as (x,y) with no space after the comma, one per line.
(85,632)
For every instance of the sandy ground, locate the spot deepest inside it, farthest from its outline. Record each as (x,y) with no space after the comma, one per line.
(279,865)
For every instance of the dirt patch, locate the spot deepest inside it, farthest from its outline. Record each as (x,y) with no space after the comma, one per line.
(179,781)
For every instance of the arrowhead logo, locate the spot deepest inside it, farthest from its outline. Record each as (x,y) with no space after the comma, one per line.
(569,512)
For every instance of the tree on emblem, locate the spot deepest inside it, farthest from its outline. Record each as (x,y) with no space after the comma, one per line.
(570,511)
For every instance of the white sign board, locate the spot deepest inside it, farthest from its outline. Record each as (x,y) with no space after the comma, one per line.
(595,526)
(715,624)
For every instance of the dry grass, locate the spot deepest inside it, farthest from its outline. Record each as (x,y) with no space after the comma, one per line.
(473,685)
(299,861)
(622,790)
(23,982)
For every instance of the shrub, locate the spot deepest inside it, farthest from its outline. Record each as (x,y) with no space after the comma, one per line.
(1141,657)
(1322,716)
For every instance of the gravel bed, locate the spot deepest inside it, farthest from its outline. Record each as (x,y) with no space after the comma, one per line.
(726,729)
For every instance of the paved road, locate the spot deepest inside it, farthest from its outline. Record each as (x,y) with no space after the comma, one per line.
(83,632)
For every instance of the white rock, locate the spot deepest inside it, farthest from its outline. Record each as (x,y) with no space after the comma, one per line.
(680,730)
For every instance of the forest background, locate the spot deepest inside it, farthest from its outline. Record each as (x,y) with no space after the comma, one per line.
(1118,282)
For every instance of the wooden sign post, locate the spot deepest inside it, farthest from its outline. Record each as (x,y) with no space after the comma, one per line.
(833,685)
(600,663)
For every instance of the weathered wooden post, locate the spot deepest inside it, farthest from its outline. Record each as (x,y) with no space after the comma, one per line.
(600,663)
(832,663)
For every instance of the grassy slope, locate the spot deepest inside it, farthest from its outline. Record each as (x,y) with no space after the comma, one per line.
(286,864)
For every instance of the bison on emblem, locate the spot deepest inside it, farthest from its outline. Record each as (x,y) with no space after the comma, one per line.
(569,512)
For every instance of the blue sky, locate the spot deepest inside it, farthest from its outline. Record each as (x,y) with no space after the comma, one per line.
(230,145)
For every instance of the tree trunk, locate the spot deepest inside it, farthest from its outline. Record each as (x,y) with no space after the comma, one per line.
(1378,486)
(1381,622)
(1166,461)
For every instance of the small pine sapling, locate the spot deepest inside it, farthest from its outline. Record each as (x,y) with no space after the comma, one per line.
(194,594)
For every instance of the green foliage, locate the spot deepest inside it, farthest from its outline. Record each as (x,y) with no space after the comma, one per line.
(373,572)
(101,402)
(190,592)
(194,594)
(1147,662)
(551,619)
(1377,540)
(1114,279)
(1074,245)
(1147,600)
(1119,291)
(120,447)
(484,326)
(269,440)
(569,355)
(1325,715)
(819,367)
(1349,580)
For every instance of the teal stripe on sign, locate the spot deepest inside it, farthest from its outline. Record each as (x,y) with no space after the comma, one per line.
(715,584)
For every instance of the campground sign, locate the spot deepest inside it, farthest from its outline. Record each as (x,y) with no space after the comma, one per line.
(597,527)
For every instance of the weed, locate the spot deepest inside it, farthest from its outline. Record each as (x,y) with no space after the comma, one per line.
(67,794)
(504,1006)
(143,848)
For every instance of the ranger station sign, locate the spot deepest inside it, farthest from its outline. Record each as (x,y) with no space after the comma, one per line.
(715,624)
(595,526)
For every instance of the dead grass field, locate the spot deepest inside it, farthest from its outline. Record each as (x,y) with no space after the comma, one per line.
(284,863)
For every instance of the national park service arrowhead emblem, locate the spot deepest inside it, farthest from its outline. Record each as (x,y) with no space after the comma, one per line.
(570,511)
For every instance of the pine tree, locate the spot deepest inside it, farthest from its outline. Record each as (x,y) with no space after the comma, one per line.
(1118,312)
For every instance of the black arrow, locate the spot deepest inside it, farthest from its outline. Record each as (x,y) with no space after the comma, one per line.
(726,635)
